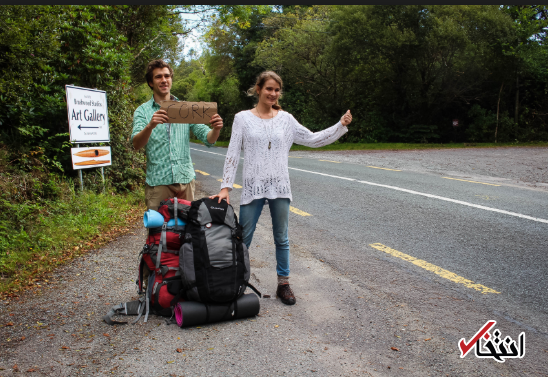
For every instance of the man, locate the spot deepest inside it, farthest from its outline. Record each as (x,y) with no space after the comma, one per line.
(169,167)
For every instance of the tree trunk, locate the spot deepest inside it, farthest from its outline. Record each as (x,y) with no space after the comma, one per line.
(498,107)
(516,111)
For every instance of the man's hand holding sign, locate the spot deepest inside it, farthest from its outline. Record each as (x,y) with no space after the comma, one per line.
(189,113)
(193,113)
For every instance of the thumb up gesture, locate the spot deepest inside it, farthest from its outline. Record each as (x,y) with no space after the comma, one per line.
(346,118)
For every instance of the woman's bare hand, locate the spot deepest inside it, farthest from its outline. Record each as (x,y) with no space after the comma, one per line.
(346,118)
(223,194)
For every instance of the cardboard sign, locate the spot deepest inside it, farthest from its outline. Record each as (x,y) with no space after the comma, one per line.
(87,115)
(83,158)
(189,112)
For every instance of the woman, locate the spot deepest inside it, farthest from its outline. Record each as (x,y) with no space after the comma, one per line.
(267,133)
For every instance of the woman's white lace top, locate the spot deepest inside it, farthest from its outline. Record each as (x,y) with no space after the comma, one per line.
(265,173)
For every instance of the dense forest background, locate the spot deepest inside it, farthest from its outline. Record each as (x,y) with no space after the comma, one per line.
(406,72)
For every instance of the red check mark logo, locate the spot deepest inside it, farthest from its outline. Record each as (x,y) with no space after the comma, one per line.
(466,347)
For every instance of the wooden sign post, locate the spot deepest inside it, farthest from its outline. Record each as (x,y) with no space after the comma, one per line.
(189,112)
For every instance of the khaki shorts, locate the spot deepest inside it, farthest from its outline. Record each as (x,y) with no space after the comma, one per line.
(156,194)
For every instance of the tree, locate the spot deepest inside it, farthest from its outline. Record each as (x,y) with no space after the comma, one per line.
(90,46)
(423,64)
(526,52)
(224,72)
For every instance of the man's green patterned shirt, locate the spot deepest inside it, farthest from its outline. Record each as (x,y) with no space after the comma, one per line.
(167,149)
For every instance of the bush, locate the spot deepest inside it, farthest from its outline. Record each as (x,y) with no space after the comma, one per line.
(483,124)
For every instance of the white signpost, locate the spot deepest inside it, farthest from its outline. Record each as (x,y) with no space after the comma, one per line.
(87,115)
(88,123)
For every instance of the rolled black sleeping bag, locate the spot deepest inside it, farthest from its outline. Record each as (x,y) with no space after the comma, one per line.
(193,313)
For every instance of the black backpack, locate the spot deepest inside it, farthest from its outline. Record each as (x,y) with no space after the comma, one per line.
(213,260)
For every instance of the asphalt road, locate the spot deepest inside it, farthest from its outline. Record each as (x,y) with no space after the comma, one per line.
(488,233)
(391,268)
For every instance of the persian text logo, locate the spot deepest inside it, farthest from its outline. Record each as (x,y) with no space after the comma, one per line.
(496,348)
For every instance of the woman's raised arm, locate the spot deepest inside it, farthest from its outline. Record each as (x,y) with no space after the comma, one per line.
(304,136)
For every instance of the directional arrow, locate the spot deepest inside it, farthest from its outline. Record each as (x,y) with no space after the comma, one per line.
(80,127)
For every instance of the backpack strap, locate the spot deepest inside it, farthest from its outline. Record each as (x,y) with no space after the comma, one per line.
(238,251)
(141,310)
(165,269)
(163,243)
(147,304)
(152,250)
(170,228)
(235,312)
(176,298)
(254,289)
(156,292)
(171,320)
(115,310)
(175,202)
(125,308)
(207,313)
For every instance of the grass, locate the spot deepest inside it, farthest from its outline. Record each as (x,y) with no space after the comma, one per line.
(56,232)
(398,146)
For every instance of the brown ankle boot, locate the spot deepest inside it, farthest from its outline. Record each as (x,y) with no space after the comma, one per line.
(285,294)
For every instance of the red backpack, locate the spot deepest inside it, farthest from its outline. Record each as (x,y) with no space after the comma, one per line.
(159,261)
(160,257)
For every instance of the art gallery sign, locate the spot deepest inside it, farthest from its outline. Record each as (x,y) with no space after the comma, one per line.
(87,112)
(87,115)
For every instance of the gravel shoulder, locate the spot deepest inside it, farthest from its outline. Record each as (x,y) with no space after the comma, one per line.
(339,326)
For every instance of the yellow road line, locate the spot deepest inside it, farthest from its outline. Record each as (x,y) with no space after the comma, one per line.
(336,162)
(376,167)
(234,184)
(487,197)
(464,180)
(201,172)
(298,211)
(433,268)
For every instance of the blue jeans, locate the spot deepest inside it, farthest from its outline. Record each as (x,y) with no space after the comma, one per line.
(279,211)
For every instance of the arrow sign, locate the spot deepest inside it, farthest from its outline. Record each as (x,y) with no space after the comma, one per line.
(87,114)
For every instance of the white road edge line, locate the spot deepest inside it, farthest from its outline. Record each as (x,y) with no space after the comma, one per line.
(418,193)
(224,155)
(433,197)
(199,150)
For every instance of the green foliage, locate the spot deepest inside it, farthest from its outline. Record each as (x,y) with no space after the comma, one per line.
(36,237)
(314,79)
(421,133)
(43,48)
(88,46)
(420,64)
(405,71)
(483,123)
(224,72)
